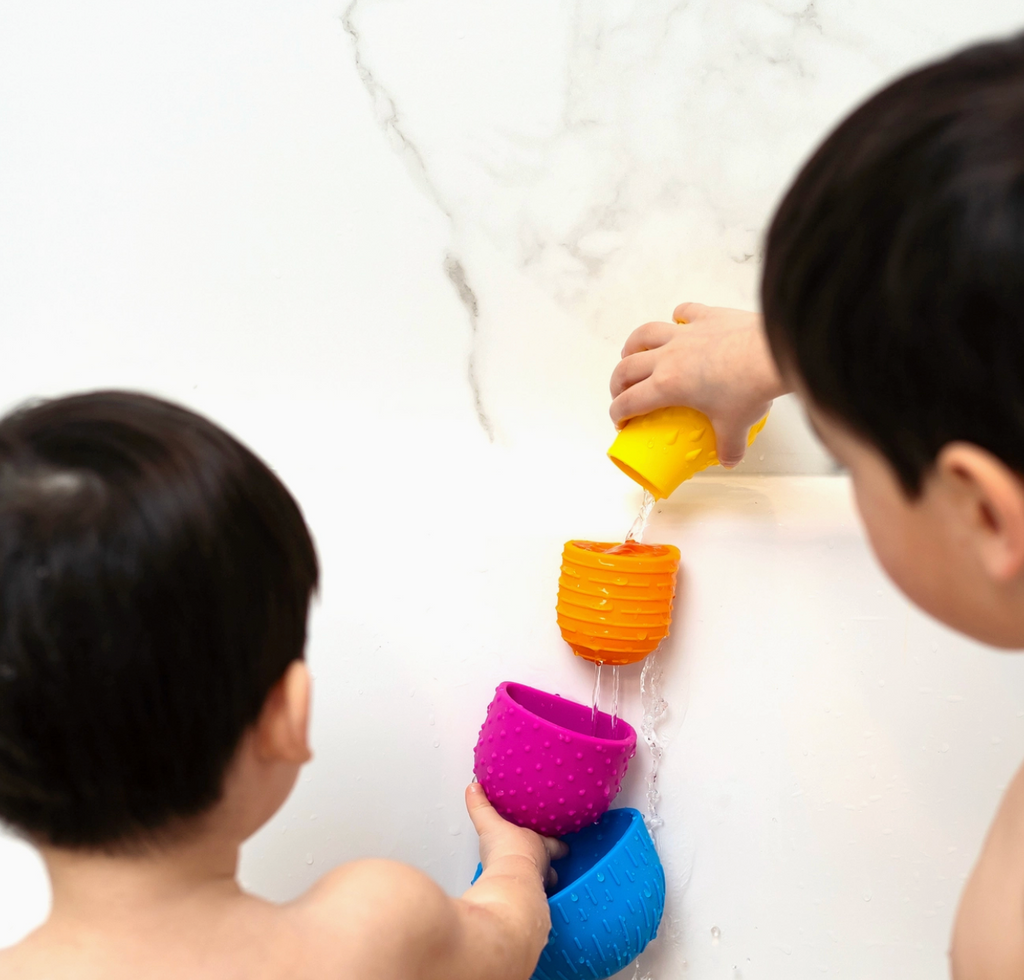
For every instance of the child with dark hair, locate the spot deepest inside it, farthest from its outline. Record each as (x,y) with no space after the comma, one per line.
(893,297)
(155,579)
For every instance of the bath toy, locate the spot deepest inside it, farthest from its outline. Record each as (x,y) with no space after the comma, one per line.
(540,765)
(615,600)
(667,446)
(609,902)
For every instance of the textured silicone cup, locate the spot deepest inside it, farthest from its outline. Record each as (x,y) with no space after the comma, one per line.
(667,446)
(610,900)
(540,766)
(609,903)
(616,608)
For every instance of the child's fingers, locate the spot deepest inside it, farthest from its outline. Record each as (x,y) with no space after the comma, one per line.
(688,312)
(639,399)
(730,442)
(647,337)
(556,849)
(630,370)
(551,878)
(483,815)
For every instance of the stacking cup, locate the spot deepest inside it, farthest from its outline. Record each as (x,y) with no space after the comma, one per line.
(615,600)
(667,446)
(609,903)
(545,765)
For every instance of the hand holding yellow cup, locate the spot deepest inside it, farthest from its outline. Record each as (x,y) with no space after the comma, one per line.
(667,446)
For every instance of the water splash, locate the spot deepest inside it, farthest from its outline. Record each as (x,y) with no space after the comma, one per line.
(654,706)
(636,532)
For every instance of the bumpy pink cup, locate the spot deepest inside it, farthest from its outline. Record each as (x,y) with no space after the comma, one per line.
(541,767)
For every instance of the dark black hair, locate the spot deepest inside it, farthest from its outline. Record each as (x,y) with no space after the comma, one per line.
(894,268)
(155,579)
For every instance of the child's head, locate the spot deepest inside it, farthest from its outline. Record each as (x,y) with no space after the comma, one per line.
(155,579)
(893,295)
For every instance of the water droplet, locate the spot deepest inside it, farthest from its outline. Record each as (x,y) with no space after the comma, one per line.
(716,934)
(574,896)
(309,859)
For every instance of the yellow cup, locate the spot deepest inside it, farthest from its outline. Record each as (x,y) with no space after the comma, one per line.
(667,446)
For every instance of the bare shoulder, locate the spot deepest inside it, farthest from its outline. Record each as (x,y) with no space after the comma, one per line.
(374,889)
(30,958)
(9,963)
(988,938)
(377,917)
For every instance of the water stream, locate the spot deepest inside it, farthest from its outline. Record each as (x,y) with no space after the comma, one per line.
(654,706)
(636,532)
(596,700)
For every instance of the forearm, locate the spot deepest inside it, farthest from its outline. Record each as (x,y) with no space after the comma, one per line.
(507,912)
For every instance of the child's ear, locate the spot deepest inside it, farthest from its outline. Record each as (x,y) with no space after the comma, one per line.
(282,729)
(990,498)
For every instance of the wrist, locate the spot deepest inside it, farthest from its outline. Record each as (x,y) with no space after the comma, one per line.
(514,864)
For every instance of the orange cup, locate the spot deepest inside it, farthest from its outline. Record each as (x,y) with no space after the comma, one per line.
(615,600)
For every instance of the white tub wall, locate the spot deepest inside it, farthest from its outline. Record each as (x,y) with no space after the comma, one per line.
(203,204)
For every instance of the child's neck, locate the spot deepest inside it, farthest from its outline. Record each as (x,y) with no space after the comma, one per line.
(91,886)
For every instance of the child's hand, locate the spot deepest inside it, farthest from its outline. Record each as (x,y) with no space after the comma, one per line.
(712,359)
(500,839)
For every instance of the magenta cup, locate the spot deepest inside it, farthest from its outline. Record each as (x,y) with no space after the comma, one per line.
(543,762)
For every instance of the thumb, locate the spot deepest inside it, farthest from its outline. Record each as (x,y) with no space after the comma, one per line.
(483,815)
(731,442)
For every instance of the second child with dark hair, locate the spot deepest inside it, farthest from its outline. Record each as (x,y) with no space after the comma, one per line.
(155,578)
(893,296)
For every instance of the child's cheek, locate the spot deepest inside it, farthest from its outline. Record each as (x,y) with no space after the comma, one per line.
(887,534)
(908,549)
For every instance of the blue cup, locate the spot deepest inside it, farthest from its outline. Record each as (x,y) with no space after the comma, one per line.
(609,902)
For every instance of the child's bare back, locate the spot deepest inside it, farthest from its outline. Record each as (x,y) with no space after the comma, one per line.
(372,920)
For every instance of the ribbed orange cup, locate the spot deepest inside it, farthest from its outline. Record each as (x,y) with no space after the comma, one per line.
(615,600)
